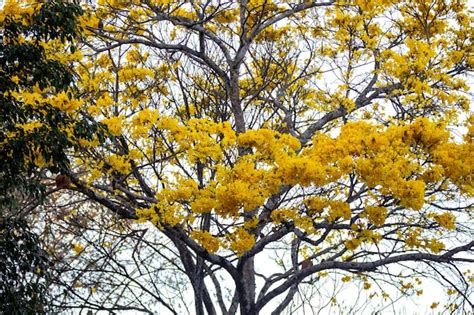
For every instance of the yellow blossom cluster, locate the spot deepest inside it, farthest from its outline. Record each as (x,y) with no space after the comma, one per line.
(143,121)
(77,248)
(413,239)
(446,220)
(114,125)
(364,236)
(457,163)
(376,215)
(227,16)
(64,102)
(316,204)
(15,11)
(352,243)
(435,245)
(337,210)
(281,215)
(206,240)
(119,163)
(30,126)
(37,97)
(383,158)
(241,241)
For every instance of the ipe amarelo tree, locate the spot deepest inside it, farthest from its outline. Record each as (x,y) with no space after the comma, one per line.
(336,134)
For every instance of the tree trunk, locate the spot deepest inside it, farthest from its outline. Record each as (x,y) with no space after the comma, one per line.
(246,289)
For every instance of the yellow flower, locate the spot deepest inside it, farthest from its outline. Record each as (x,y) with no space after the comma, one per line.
(63,102)
(411,193)
(77,248)
(15,79)
(435,246)
(316,204)
(28,127)
(352,244)
(446,220)
(206,240)
(339,209)
(376,215)
(114,125)
(119,163)
(346,278)
(241,241)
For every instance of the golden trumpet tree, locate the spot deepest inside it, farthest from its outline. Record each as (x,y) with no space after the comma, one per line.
(326,131)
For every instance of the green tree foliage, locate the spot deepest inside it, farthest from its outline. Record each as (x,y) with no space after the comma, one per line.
(33,132)
(24,269)
(33,139)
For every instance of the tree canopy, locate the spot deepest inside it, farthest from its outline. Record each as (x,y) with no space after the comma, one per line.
(277,145)
(32,136)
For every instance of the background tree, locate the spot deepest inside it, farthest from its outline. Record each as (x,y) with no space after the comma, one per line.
(24,269)
(317,132)
(36,127)
(37,104)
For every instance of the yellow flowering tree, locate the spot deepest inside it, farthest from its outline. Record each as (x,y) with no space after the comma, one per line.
(326,132)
